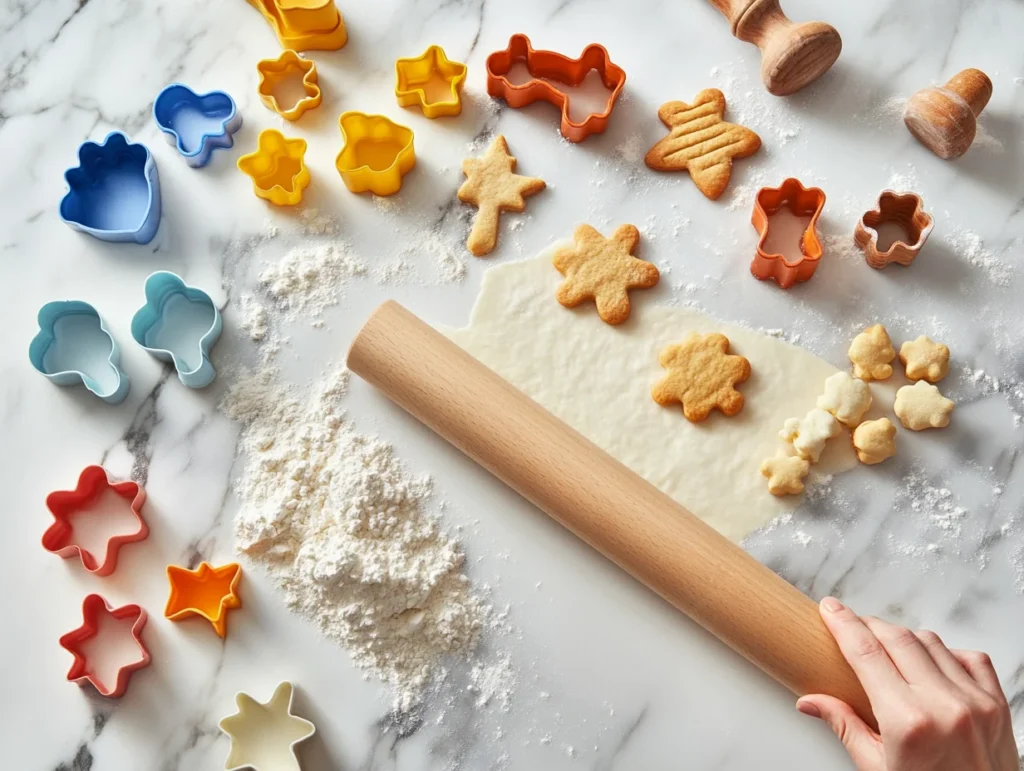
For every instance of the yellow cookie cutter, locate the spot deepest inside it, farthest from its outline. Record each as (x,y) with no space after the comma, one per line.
(376,155)
(414,74)
(207,592)
(288,65)
(277,168)
(304,25)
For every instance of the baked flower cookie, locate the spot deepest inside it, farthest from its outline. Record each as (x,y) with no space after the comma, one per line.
(874,441)
(872,353)
(809,434)
(925,359)
(702,376)
(922,406)
(847,398)
(785,473)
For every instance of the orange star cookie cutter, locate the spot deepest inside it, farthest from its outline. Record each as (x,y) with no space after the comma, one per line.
(903,209)
(304,25)
(277,168)
(81,671)
(802,202)
(207,592)
(275,72)
(413,75)
(376,155)
(555,66)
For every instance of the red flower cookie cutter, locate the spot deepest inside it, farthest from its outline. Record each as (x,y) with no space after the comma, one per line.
(64,504)
(802,202)
(549,64)
(81,671)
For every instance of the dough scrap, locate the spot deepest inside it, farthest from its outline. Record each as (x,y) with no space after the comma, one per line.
(785,473)
(874,441)
(925,359)
(702,376)
(871,353)
(922,406)
(809,434)
(848,398)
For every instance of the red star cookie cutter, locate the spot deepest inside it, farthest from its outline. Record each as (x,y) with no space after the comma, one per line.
(555,66)
(81,670)
(802,202)
(65,504)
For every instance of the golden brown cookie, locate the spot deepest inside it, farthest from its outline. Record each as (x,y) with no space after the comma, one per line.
(925,359)
(785,473)
(922,406)
(874,441)
(701,142)
(492,186)
(603,270)
(871,353)
(702,376)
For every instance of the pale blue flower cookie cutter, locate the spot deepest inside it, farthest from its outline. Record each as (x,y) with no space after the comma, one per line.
(114,192)
(196,124)
(74,346)
(179,324)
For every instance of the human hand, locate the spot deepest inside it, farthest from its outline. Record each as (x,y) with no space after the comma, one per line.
(937,709)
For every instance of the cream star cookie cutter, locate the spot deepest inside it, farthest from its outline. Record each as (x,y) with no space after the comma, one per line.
(921,406)
(925,359)
(264,736)
(809,434)
(846,397)
(874,441)
(785,473)
(872,353)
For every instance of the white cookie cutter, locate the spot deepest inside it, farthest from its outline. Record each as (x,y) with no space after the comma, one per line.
(264,736)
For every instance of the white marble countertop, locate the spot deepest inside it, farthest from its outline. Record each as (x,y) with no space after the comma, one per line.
(607,676)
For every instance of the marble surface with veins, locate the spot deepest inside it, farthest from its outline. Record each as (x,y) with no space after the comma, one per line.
(602,675)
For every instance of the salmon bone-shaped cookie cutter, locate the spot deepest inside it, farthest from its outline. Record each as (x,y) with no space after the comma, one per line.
(81,671)
(903,209)
(802,202)
(549,64)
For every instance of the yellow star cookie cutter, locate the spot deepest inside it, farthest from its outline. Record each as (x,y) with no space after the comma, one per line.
(376,155)
(264,736)
(274,72)
(277,168)
(207,592)
(413,76)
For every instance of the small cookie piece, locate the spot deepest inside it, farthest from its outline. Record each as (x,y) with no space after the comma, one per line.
(848,398)
(808,435)
(603,270)
(702,376)
(492,186)
(871,353)
(922,406)
(785,473)
(874,441)
(701,142)
(925,359)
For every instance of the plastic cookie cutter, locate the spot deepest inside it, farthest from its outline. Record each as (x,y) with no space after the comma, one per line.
(207,592)
(82,671)
(114,192)
(902,213)
(802,202)
(264,736)
(277,73)
(277,168)
(304,25)
(65,504)
(179,324)
(196,124)
(376,155)
(554,66)
(74,346)
(420,81)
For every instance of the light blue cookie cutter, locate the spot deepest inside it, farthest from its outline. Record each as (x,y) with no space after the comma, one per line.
(81,321)
(114,192)
(179,324)
(196,124)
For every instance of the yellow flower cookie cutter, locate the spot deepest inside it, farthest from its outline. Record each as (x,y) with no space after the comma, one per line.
(304,25)
(376,155)
(277,168)
(414,75)
(274,72)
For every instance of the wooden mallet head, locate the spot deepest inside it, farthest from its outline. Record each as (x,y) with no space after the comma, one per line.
(945,118)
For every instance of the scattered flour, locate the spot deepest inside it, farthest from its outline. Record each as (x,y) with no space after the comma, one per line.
(970,247)
(938,504)
(308,279)
(493,683)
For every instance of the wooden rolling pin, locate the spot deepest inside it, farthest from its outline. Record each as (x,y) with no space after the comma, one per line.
(627,519)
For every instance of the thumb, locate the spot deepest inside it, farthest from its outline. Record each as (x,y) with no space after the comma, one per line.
(860,741)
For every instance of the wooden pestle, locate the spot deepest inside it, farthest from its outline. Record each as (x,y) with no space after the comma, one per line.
(624,517)
(792,55)
(944,119)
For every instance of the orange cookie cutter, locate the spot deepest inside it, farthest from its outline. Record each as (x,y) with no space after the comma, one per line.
(277,168)
(802,202)
(273,72)
(304,25)
(207,592)
(81,671)
(903,209)
(65,504)
(376,155)
(549,64)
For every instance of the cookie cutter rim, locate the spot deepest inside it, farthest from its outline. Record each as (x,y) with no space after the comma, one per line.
(303,36)
(907,211)
(360,177)
(452,72)
(551,64)
(204,573)
(271,146)
(288,712)
(202,154)
(273,71)
(79,672)
(799,200)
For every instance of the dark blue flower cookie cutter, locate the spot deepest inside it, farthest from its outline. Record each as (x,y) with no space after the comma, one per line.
(196,124)
(179,324)
(73,346)
(114,192)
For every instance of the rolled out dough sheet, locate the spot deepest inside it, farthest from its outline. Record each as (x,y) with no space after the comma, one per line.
(598,378)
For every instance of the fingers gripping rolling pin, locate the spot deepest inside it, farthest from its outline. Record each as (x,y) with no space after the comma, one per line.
(627,519)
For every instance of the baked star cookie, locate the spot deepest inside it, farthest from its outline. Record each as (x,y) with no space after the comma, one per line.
(702,376)
(874,441)
(847,398)
(603,270)
(871,353)
(925,359)
(785,473)
(922,406)
(809,435)
(701,142)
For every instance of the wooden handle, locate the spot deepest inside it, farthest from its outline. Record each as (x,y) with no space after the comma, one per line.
(624,517)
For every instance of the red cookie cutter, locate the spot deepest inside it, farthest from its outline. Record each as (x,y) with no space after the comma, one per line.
(548,64)
(80,670)
(801,201)
(64,504)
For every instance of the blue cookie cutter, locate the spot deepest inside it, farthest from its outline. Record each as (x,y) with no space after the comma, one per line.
(73,346)
(114,192)
(196,124)
(180,324)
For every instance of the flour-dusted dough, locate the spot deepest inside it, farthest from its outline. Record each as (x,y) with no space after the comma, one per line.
(598,378)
